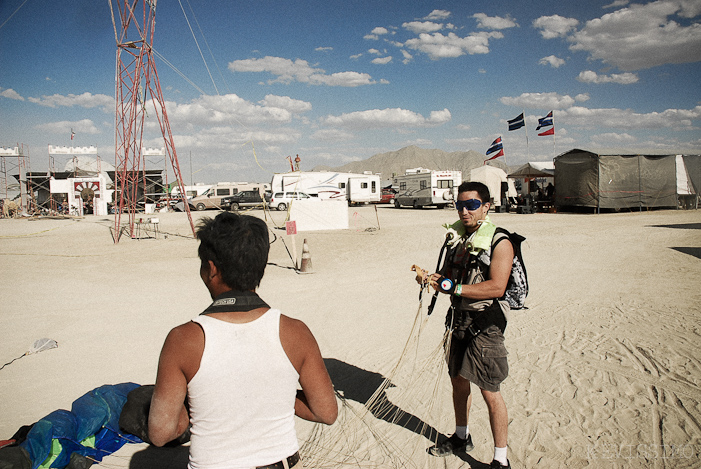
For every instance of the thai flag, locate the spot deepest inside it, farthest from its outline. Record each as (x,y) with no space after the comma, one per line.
(545,121)
(517,122)
(496,146)
(550,131)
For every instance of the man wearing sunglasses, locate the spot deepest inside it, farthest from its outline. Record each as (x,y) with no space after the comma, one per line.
(475,274)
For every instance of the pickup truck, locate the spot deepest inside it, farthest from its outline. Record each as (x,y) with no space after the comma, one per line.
(242,199)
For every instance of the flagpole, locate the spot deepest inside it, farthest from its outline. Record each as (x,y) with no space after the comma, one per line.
(528,152)
(554,140)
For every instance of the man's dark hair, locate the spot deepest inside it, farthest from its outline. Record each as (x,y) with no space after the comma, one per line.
(474,186)
(238,245)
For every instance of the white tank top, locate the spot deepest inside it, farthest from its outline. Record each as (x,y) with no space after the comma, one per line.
(242,397)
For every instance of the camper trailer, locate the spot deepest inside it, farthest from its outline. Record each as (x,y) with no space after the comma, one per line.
(190,191)
(211,198)
(421,187)
(354,187)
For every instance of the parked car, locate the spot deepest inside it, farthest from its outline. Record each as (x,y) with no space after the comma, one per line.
(281,200)
(387,196)
(242,199)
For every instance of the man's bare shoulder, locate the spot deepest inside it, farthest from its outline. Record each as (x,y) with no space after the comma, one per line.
(294,327)
(186,332)
(185,340)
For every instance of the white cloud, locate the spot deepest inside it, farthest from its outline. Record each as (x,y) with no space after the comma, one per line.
(295,106)
(438,15)
(616,4)
(11,94)
(582,97)
(643,36)
(438,46)
(493,22)
(467,143)
(553,61)
(85,100)
(379,31)
(332,135)
(323,49)
(374,52)
(611,137)
(555,26)
(232,137)
(230,109)
(407,56)
(85,126)
(589,76)
(550,100)
(382,60)
(677,119)
(299,70)
(419,27)
(387,118)
(356,56)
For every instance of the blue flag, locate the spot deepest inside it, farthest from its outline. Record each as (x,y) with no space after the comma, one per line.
(545,121)
(495,146)
(517,122)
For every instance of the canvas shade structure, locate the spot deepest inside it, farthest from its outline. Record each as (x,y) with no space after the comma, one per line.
(588,179)
(534,169)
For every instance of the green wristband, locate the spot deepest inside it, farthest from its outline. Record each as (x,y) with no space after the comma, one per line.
(458,290)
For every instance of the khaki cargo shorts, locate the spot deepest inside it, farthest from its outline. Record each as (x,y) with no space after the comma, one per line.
(485,362)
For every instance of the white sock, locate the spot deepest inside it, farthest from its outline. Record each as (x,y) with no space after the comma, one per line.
(500,455)
(462,432)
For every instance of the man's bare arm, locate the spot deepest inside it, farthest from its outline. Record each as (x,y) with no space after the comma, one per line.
(168,416)
(316,401)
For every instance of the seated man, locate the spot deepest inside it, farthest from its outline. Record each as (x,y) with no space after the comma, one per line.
(239,363)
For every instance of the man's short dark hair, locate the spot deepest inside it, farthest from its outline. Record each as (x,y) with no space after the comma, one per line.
(474,186)
(238,245)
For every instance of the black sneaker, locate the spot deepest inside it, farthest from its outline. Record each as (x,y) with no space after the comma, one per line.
(452,445)
(497,465)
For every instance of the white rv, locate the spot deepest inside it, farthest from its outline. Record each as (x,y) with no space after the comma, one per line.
(421,187)
(190,191)
(354,187)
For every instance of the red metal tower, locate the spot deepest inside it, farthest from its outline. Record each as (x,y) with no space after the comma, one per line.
(137,83)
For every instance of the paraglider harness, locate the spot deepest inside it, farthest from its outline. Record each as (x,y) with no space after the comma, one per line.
(515,293)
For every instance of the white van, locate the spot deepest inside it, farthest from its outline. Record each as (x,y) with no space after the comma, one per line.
(212,197)
(282,200)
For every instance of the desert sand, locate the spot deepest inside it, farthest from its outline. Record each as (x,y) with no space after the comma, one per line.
(605,364)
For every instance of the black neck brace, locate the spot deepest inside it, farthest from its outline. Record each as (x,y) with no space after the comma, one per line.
(236,302)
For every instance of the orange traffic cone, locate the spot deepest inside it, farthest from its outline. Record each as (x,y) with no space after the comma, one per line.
(306,266)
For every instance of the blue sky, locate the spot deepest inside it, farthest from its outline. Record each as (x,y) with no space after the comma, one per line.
(248,83)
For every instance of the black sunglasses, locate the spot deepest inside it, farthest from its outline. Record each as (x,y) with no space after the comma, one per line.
(472,204)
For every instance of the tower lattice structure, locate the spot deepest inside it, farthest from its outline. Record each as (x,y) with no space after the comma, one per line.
(137,84)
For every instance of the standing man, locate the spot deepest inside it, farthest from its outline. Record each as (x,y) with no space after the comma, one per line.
(475,274)
(233,372)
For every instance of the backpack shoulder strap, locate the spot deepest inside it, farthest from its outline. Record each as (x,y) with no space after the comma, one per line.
(499,235)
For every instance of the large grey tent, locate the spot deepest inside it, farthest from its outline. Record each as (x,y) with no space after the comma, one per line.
(586,179)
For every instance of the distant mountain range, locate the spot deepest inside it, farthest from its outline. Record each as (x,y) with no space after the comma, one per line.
(397,162)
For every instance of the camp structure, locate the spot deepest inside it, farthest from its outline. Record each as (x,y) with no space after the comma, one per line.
(532,174)
(542,169)
(614,182)
(501,188)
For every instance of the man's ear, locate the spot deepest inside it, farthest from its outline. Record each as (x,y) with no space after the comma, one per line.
(212,270)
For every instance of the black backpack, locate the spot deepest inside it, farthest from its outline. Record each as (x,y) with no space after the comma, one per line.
(517,287)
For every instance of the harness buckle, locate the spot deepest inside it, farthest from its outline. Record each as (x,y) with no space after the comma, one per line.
(474,331)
